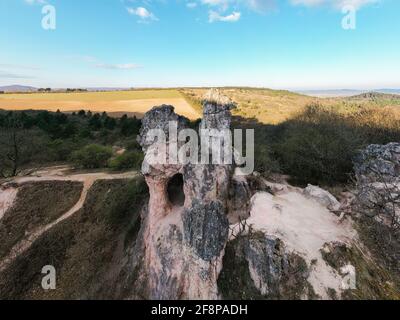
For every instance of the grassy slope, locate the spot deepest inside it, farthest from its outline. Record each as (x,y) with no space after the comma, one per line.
(276,106)
(267,106)
(37,204)
(87,249)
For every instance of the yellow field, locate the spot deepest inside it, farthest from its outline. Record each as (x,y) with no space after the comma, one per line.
(135,101)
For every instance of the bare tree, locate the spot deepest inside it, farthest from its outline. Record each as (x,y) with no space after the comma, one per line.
(12,140)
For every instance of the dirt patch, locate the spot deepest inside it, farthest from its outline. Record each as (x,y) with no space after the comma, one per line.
(7,197)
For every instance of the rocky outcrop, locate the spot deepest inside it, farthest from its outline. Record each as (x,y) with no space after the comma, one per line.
(377,171)
(184,244)
(211,233)
(259,266)
(379,162)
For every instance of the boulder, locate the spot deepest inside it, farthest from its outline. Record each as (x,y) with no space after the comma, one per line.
(323,197)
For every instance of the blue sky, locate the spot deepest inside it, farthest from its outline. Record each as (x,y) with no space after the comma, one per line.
(289,44)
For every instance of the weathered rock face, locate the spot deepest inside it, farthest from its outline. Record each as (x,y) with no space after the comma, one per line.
(378,182)
(258,266)
(379,161)
(184,245)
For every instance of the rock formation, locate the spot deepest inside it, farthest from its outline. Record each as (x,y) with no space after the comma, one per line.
(379,161)
(184,244)
(377,171)
(210,233)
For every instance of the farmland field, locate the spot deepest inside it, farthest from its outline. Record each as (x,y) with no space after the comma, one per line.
(134,102)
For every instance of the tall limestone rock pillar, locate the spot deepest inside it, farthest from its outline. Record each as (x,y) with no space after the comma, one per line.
(184,243)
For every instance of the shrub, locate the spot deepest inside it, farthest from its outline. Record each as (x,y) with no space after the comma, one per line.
(133,145)
(92,156)
(264,162)
(127,160)
(318,146)
(61,149)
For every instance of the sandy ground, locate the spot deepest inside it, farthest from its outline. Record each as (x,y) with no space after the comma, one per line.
(304,225)
(137,106)
(8,195)
(7,198)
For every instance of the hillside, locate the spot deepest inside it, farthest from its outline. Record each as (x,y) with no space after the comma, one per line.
(269,106)
(17,88)
(377,96)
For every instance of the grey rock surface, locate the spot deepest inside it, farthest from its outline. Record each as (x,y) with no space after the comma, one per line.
(379,161)
(377,171)
(206,228)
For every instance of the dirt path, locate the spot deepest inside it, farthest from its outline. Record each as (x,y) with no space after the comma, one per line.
(53,174)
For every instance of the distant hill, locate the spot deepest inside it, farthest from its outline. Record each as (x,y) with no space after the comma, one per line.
(346,92)
(18,88)
(331,93)
(375,96)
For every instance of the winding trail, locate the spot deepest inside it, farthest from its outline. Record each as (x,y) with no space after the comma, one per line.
(57,174)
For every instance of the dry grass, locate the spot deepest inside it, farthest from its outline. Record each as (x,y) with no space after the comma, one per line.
(276,106)
(136,101)
(37,204)
(267,106)
(88,250)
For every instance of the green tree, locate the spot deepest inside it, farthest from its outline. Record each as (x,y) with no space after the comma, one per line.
(92,156)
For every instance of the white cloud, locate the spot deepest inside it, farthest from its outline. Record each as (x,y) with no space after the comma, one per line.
(221,4)
(126,66)
(10,75)
(18,66)
(267,5)
(261,5)
(215,16)
(142,13)
(31,2)
(335,3)
(93,61)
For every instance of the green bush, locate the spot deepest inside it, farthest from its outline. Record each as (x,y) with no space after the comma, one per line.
(318,145)
(61,149)
(264,161)
(127,160)
(92,156)
(133,145)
